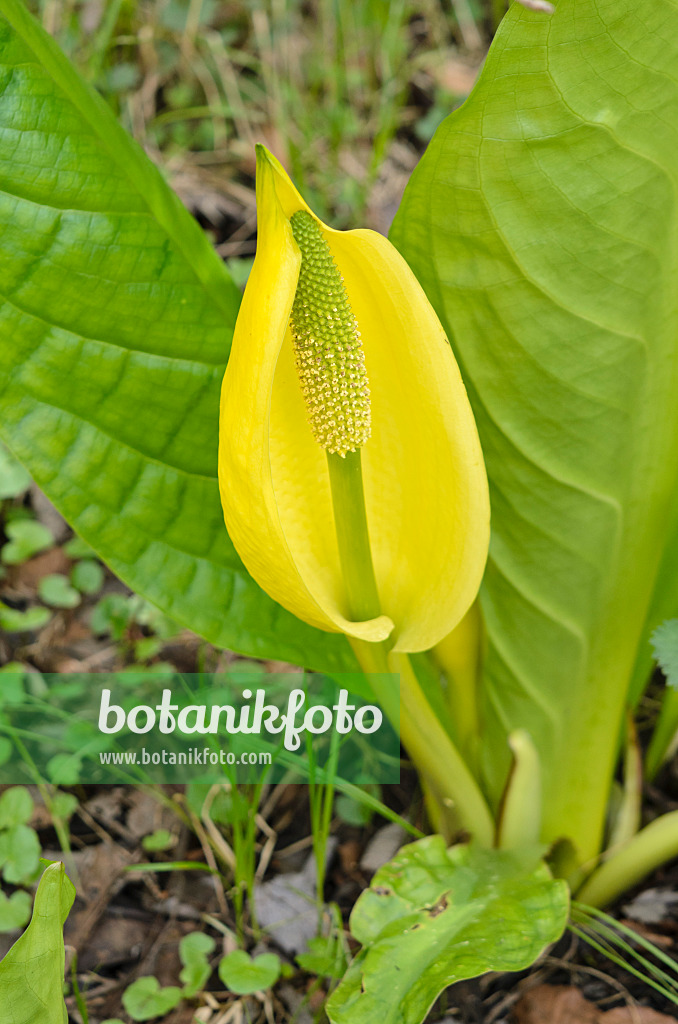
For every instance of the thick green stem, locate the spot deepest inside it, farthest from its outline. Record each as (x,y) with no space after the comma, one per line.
(655,844)
(427,742)
(626,821)
(433,752)
(350,518)
(458,655)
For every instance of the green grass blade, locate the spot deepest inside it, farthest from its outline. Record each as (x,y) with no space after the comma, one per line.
(601,932)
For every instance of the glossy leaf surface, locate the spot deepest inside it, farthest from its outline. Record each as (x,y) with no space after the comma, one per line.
(433,916)
(543,224)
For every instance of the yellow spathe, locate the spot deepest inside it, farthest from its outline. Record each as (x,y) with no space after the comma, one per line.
(424,477)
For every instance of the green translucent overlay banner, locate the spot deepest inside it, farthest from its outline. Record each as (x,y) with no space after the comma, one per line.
(170,727)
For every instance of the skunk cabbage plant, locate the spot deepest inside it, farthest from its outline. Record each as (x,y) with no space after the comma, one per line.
(539,234)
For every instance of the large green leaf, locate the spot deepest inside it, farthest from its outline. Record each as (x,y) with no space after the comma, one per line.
(32,972)
(434,916)
(542,223)
(115,323)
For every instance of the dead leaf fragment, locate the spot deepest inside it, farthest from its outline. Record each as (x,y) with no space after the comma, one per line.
(652,906)
(564,1004)
(286,905)
(382,847)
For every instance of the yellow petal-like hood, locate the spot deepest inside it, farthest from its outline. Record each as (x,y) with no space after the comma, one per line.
(424,477)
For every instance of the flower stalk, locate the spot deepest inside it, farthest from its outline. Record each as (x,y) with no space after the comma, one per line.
(353,539)
(431,749)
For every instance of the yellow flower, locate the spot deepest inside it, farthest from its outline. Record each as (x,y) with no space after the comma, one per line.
(406,409)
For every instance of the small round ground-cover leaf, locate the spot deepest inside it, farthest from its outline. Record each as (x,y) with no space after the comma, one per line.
(58,592)
(16,807)
(14,621)
(161,839)
(63,806)
(145,999)
(15,910)
(433,916)
(87,576)
(19,854)
(26,538)
(194,950)
(244,974)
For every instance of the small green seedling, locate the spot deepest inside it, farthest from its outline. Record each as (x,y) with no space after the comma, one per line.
(244,974)
(55,590)
(111,615)
(19,843)
(156,842)
(26,538)
(15,910)
(194,950)
(118,614)
(327,955)
(16,807)
(63,805)
(87,576)
(14,621)
(146,999)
